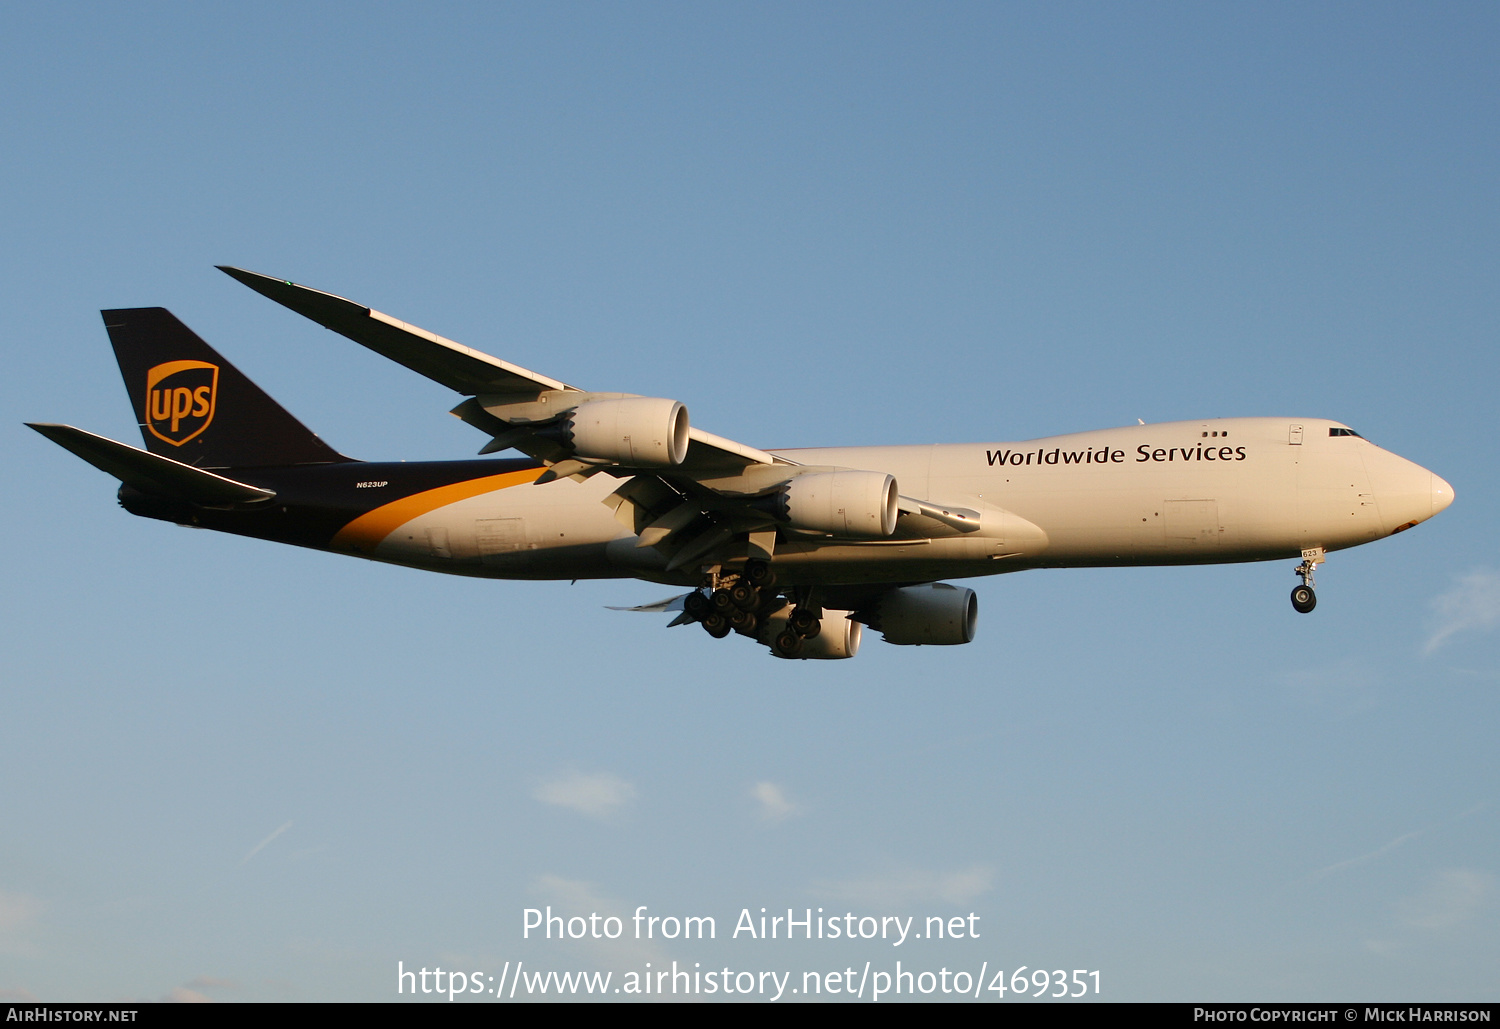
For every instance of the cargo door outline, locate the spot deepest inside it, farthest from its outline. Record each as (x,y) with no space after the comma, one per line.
(1191,521)
(501,540)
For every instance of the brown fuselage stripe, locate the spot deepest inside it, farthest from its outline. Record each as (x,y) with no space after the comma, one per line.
(367,531)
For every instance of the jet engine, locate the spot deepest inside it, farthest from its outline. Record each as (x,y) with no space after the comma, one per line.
(643,431)
(936,614)
(844,503)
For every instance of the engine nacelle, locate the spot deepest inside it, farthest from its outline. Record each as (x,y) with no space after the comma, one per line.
(933,615)
(646,431)
(838,635)
(844,503)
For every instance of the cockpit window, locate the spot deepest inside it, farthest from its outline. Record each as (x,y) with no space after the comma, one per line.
(1336,431)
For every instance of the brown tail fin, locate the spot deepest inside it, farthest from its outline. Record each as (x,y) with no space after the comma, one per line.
(197,408)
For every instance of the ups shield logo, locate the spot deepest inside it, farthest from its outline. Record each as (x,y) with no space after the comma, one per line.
(180,397)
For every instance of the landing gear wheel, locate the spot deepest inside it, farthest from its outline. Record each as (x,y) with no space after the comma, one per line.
(743,621)
(759,573)
(716,625)
(806,623)
(722,602)
(744,596)
(1304,599)
(697,606)
(787,644)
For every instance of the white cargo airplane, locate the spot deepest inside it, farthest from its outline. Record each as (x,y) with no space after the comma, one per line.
(797,549)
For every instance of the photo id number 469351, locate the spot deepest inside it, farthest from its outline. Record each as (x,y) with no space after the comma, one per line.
(1042,983)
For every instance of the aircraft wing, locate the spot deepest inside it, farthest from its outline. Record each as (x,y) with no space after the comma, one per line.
(475,373)
(691,495)
(454,365)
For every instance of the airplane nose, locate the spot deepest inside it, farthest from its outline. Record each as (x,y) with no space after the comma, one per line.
(1442,494)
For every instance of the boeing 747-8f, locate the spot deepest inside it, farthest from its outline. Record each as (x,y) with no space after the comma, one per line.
(797,549)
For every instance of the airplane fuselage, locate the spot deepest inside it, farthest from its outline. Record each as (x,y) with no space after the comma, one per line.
(1213,491)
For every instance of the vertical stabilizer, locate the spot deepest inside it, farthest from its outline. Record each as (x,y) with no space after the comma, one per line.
(195,407)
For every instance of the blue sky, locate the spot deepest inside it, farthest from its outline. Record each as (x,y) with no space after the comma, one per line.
(241,772)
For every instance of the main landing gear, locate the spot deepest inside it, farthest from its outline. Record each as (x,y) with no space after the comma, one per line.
(804,623)
(750,604)
(1303,597)
(737,605)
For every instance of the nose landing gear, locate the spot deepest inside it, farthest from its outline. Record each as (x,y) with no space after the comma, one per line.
(1303,597)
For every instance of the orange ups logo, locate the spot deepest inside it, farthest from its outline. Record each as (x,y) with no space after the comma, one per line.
(180,399)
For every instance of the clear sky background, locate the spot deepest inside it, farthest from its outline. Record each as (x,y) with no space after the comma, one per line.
(238,771)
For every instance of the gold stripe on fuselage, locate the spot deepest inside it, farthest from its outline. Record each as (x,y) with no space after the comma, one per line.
(367,531)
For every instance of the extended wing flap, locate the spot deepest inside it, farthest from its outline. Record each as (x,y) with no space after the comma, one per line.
(670,604)
(151,473)
(442,360)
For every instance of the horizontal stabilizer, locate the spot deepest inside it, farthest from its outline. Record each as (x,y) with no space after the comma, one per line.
(151,473)
(454,365)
